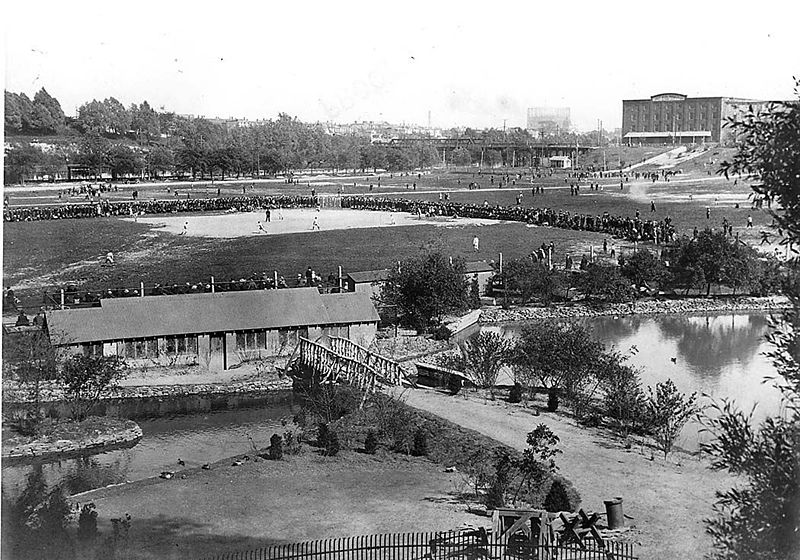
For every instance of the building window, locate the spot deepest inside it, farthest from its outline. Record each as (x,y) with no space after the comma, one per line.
(93,349)
(251,340)
(138,349)
(182,344)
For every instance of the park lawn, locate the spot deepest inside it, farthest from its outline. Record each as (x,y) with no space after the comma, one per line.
(33,262)
(301,497)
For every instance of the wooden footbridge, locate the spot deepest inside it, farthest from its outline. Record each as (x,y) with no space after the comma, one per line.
(335,359)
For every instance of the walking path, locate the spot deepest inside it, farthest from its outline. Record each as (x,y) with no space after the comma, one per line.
(667,499)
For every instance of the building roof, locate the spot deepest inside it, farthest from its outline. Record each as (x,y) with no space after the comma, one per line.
(369,276)
(669,133)
(473,267)
(350,307)
(152,316)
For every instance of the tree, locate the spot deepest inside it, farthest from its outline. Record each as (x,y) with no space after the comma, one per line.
(606,283)
(481,358)
(47,115)
(425,288)
(87,378)
(760,518)
(93,152)
(92,117)
(623,399)
(18,110)
(22,161)
(667,410)
(461,156)
(33,361)
(538,459)
(144,120)
(529,279)
(123,161)
(160,160)
(643,268)
(555,353)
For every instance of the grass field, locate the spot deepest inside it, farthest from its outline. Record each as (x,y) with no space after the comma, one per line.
(43,255)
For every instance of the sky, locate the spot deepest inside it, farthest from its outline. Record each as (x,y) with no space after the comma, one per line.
(467,63)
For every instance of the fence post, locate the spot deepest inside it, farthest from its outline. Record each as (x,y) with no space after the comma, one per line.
(62,298)
(212,285)
(340,275)
(275,278)
(141,289)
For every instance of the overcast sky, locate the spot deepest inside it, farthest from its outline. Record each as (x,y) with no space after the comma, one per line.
(468,63)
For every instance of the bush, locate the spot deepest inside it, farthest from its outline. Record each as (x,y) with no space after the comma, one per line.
(420,448)
(442,333)
(515,395)
(276,447)
(87,522)
(558,497)
(552,399)
(371,443)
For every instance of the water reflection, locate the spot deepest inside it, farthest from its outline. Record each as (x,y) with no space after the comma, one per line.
(195,439)
(718,355)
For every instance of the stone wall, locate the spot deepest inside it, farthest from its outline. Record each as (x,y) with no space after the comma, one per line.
(643,307)
(14,392)
(126,437)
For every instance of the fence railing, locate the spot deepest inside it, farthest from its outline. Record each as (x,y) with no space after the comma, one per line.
(469,545)
(332,366)
(388,370)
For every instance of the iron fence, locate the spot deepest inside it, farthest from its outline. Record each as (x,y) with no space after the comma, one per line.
(468,545)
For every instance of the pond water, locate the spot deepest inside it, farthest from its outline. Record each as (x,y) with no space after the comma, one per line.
(721,356)
(196,439)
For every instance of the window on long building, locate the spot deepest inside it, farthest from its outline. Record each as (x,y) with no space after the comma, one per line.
(251,340)
(181,344)
(137,349)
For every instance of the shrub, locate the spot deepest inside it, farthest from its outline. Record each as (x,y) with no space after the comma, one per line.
(291,443)
(503,465)
(442,333)
(559,497)
(371,443)
(420,448)
(276,447)
(87,522)
(323,434)
(515,395)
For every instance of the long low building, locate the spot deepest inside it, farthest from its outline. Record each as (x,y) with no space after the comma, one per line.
(216,331)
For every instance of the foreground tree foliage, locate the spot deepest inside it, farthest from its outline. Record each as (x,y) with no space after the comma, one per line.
(760,517)
(667,411)
(425,288)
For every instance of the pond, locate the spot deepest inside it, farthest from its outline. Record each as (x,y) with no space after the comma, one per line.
(195,439)
(719,355)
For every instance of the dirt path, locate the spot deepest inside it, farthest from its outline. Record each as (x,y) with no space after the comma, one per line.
(667,499)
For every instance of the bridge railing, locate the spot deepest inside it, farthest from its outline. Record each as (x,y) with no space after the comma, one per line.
(389,371)
(333,366)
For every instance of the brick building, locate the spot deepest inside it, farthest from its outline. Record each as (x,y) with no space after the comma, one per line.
(674,118)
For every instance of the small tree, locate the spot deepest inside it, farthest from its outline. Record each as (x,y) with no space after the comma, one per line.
(33,360)
(667,411)
(538,460)
(557,498)
(481,358)
(624,399)
(503,465)
(87,378)
(605,283)
(474,294)
(643,268)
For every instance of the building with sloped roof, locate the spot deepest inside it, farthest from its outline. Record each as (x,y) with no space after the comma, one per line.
(371,281)
(216,330)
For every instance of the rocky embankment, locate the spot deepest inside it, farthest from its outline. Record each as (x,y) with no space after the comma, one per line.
(642,307)
(14,392)
(124,433)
